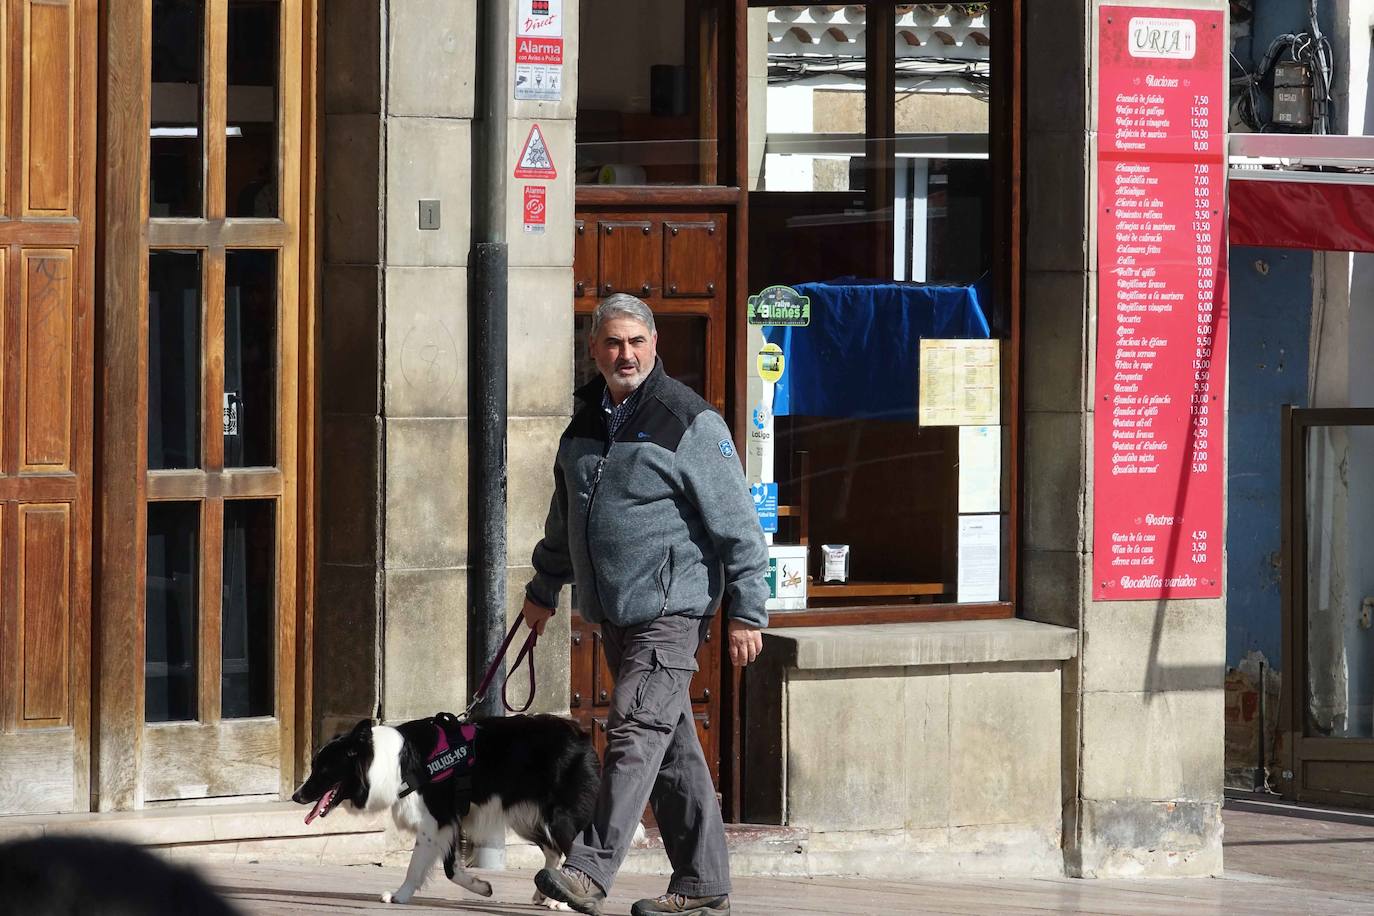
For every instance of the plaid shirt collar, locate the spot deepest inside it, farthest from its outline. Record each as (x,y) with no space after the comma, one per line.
(617,416)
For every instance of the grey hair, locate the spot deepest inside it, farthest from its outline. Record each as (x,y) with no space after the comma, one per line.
(621,305)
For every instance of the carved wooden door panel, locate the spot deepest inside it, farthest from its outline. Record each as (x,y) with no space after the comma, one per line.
(47,225)
(676,262)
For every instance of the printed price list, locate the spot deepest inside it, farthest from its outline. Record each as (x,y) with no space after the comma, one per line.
(1161,326)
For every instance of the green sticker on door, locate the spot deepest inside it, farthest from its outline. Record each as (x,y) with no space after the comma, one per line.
(780,305)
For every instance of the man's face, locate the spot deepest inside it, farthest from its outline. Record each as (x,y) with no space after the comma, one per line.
(625,352)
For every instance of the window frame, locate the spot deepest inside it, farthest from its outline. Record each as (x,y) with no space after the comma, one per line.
(1005,158)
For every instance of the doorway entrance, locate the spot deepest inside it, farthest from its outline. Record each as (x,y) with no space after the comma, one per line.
(220,477)
(1328,705)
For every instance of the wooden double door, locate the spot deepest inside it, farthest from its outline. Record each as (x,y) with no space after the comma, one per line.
(676,261)
(163,599)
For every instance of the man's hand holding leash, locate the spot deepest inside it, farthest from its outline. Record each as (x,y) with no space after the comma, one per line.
(536,615)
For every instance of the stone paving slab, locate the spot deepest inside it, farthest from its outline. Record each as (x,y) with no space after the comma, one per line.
(1275,865)
(268,890)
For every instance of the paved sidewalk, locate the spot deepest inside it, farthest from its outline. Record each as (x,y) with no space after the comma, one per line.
(1275,865)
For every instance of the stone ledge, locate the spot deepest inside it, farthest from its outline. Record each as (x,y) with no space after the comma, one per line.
(897,645)
(196,824)
(763,851)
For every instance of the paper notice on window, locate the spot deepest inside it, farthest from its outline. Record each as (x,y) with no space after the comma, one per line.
(960,383)
(980,469)
(980,567)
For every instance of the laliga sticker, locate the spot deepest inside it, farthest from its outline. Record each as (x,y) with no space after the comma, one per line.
(761,415)
(770,362)
(761,431)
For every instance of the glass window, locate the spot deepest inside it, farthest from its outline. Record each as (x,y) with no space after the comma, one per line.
(250,358)
(248,615)
(250,167)
(174,279)
(177,162)
(871,198)
(646,109)
(172,601)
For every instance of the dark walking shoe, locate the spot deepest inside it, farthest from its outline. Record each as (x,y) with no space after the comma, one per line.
(683,906)
(570,886)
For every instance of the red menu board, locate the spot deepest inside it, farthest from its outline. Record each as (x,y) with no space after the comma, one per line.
(1159,421)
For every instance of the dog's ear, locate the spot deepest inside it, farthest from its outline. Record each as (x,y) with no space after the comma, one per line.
(363,729)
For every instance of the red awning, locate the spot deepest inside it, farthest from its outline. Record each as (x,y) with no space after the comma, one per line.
(1316,215)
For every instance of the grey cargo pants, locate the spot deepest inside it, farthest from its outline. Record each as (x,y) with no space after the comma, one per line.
(653,755)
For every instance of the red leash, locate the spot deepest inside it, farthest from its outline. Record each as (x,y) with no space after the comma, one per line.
(526,654)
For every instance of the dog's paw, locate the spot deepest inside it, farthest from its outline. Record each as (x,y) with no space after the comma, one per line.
(395,897)
(547,903)
(481,888)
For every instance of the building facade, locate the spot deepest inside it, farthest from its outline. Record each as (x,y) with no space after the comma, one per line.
(238,401)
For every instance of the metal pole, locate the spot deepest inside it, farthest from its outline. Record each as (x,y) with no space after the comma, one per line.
(1260,780)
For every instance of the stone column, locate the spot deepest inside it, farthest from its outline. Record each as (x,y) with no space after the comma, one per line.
(392,614)
(1142,701)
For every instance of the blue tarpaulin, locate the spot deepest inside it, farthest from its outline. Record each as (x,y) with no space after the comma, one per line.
(860,355)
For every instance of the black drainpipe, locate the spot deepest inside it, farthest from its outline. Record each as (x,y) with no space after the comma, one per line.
(487,410)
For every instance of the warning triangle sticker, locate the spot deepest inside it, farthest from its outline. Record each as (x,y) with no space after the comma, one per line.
(535,161)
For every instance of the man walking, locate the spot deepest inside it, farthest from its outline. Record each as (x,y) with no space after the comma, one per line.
(652,520)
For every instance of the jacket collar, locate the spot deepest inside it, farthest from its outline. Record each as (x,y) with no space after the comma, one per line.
(590,393)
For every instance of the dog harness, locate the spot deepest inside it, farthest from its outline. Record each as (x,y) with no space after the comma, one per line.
(451,758)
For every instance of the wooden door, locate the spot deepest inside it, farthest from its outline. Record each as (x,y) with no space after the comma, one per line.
(676,262)
(47,230)
(1327,712)
(219,554)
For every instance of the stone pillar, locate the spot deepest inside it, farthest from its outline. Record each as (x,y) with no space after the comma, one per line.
(391,617)
(1142,701)
(392,614)
(349,572)
(540,371)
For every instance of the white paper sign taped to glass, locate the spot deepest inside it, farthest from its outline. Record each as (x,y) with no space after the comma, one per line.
(960,383)
(980,565)
(980,468)
(539,50)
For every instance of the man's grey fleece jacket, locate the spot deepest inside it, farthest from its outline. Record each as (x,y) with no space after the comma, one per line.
(659,521)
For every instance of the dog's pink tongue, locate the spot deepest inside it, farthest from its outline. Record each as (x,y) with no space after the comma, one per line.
(322,805)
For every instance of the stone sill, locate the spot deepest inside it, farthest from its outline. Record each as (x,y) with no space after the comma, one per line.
(194,824)
(900,645)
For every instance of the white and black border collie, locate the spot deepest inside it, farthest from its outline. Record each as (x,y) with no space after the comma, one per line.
(538,775)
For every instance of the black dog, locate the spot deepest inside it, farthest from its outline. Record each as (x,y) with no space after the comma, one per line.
(446,780)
